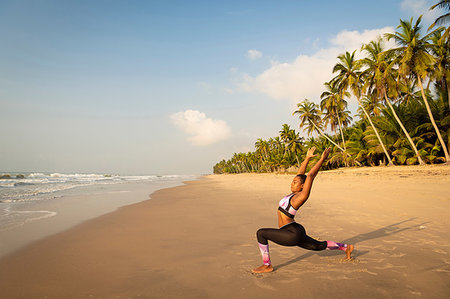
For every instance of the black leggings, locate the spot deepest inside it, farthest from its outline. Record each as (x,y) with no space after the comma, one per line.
(292,234)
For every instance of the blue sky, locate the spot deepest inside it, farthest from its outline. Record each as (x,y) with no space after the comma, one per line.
(165,87)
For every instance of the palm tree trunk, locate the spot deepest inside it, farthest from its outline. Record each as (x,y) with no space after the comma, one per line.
(444,146)
(404,130)
(323,134)
(340,129)
(448,91)
(342,134)
(376,132)
(298,161)
(285,150)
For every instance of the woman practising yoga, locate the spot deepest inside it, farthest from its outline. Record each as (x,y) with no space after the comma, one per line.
(291,233)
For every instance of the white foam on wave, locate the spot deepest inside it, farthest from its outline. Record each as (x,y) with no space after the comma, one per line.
(139,177)
(37,175)
(13,219)
(35,185)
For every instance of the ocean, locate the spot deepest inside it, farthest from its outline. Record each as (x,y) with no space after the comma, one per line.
(38,186)
(35,205)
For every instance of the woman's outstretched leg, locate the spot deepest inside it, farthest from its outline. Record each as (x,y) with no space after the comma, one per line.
(311,244)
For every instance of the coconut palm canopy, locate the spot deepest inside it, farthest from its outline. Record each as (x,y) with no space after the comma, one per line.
(404,114)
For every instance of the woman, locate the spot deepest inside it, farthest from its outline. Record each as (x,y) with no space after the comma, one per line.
(291,233)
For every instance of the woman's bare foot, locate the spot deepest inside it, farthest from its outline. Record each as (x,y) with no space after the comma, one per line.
(349,251)
(263,269)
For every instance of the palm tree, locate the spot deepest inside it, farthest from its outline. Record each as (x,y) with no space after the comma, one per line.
(445,4)
(295,145)
(262,147)
(381,78)
(285,135)
(372,105)
(414,60)
(310,118)
(276,152)
(349,77)
(378,75)
(334,105)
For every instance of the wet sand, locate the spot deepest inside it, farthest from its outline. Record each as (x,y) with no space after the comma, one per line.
(198,241)
(45,217)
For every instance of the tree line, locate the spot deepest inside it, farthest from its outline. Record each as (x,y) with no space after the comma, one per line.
(403,98)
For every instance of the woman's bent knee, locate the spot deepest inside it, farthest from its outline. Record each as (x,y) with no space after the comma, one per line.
(260,236)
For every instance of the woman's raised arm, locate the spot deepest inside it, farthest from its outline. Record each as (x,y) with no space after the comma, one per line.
(300,198)
(309,155)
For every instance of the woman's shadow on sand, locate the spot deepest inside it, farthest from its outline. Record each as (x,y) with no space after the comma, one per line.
(379,233)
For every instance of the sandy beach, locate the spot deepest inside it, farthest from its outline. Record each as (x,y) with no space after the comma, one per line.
(198,241)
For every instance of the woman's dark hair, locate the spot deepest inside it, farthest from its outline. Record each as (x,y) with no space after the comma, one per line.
(302,178)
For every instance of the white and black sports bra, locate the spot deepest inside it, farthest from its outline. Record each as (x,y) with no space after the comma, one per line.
(285,207)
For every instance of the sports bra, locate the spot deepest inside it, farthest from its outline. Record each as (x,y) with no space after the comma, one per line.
(285,206)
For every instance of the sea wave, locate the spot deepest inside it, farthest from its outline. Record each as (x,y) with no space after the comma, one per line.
(33,185)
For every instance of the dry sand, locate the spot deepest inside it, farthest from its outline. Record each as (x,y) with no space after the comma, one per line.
(198,241)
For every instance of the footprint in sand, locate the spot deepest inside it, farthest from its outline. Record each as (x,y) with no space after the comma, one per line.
(352,260)
(262,284)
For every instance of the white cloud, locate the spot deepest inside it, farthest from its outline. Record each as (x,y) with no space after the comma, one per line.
(254,54)
(420,7)
(304,77)
(202,130)
(353,40)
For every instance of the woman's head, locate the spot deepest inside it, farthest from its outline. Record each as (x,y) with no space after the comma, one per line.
(297,183)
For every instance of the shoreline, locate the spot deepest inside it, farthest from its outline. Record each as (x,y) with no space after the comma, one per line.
(198,240)
(72,207)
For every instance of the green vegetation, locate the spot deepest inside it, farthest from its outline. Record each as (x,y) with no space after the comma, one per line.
(403,97)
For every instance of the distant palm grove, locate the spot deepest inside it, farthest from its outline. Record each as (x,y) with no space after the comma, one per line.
(403,97)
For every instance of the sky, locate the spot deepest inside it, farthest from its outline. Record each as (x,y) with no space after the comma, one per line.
(167,87)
